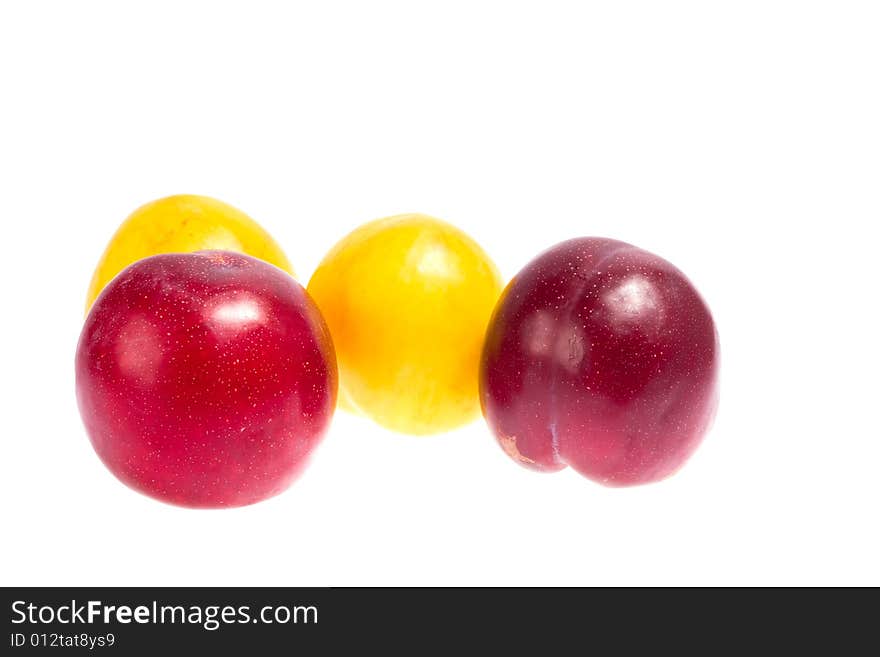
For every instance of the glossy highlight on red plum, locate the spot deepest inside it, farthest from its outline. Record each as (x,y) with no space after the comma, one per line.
(205,379)
(602,357)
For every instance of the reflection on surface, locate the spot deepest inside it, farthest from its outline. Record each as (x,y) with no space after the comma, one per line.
(432,259)
(139,350)
(237,312)
(538,332)
(634,302)
(560,339)
(231,314)
(434,262)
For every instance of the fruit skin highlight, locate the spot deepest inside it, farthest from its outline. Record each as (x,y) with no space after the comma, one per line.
(407,300)
(603,357)
(183,224)
(205,379)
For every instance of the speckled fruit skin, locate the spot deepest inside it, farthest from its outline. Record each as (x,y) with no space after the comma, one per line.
(181,224)
(205,379)
(407,299)
(603,357)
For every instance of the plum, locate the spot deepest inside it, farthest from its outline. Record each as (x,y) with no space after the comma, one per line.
(603,357)
(205,379)
(407,299)
(182,224)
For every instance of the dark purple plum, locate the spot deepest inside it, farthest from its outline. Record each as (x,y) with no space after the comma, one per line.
(604,357)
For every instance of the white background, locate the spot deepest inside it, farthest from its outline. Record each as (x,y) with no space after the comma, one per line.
(740,140)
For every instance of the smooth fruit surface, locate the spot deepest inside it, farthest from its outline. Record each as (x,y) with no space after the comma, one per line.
(603,357)
(183,224)
(407,299)
(205,379)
